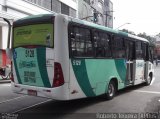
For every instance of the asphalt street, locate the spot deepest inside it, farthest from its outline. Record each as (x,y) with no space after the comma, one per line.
(139,101)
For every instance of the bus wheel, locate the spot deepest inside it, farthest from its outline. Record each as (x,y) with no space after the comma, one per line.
(111,90)
(148,81)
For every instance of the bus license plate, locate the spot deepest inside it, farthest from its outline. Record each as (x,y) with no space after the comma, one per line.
(32,92)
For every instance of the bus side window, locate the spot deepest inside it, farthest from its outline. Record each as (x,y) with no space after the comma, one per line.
(102,44)
(144,51)
(127,47)
(118,47)
(89,52)
(74,38)
(150,54)
(97,44)
(132,50)
(139,52)
(81,45)
(105,41)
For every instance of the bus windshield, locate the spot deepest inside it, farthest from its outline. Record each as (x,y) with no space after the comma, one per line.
(37,34)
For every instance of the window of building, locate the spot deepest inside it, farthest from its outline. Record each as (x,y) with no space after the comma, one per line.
(100,4)
(33,1)
(64,9)
(106,3)
(74,0)
(87,1)
(72,12)
(44,3)
(56,6)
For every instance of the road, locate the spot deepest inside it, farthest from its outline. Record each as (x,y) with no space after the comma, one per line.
(139,101)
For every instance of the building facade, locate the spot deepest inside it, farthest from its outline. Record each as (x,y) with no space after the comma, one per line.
(157,47)
(103,8)
(15,9)
(82,9)
(108,11)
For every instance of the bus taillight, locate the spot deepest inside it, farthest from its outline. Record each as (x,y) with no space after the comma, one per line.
(58,75)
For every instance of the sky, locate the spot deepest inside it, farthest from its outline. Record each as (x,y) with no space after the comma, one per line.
(143,15)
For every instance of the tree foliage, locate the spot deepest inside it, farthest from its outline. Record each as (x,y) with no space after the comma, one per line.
(127,31)
(151,39)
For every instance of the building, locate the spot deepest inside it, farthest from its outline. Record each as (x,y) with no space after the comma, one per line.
(108,11)
(83,9)
(157,47)
(103,8)
(15,9)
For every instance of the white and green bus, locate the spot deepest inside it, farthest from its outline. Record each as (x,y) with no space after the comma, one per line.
(63,58)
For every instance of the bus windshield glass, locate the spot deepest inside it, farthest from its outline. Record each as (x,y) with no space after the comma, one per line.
(37,34)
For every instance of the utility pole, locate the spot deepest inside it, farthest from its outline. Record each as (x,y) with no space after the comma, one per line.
(95,16)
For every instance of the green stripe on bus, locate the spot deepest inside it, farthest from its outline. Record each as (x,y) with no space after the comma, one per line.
(82,77)
(95,74)
(121,68)
(41,57)
(16,69)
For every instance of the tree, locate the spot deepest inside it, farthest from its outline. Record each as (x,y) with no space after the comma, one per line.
(151,39)
(127,31)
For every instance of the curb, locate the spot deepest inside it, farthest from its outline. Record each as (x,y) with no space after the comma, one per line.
(5,81)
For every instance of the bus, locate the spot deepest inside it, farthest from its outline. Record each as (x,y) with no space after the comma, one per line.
(63,58)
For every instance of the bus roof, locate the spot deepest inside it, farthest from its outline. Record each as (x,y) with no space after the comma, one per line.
(41,18)
(44,16)
(108,29)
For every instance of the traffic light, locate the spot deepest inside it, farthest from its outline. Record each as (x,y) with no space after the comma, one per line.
(95,17)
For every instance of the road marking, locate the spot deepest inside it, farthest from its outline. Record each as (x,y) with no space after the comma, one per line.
(152,81)
(143,91)
(31,106)
(12,99)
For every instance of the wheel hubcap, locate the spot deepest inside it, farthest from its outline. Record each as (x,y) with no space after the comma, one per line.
(111,90)
(149,80)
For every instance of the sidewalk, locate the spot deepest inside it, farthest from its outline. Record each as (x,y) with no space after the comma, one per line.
(4,80)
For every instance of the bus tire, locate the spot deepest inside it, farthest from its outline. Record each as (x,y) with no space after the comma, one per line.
(149,79)
(111,91)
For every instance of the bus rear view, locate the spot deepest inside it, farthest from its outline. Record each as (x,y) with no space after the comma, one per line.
(35,71)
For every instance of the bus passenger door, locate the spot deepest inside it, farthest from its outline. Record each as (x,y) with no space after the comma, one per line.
(129,62)
(140,63)
(149,61)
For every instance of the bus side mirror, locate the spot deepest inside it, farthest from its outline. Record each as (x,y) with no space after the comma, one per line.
(9,53)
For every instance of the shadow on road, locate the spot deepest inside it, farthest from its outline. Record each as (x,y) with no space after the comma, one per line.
(59,109)
(130,89)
